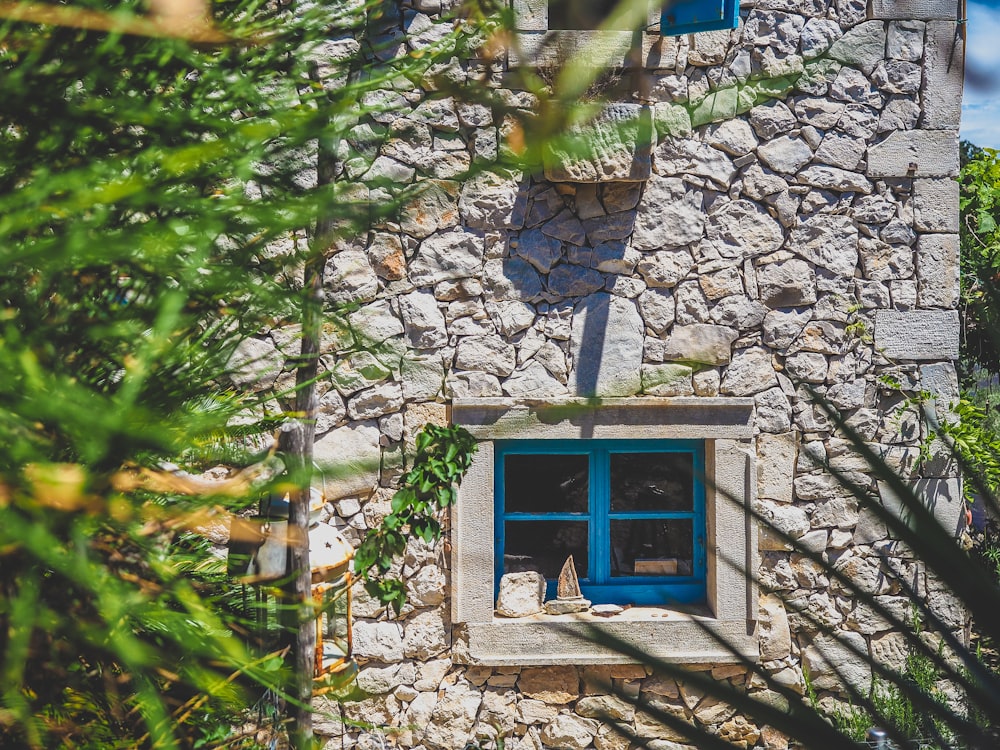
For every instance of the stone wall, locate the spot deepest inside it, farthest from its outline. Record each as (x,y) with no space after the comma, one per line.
(794,227)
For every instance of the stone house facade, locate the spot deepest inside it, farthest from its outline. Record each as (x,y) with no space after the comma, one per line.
(793,227)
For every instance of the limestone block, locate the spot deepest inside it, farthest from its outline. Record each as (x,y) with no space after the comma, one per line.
(915,153)
(657,307)
(566,227)
(710,710)
(941,94)
(511,279)
(909,9)
(786,154)
(840,150)
(776,455)
(829,655)
(385,252)
(375,402)
(531,711)
(787,519)
(490,353)
(774,413)
(942,496)
(788,283)
(738,311)
(829,241)
(716,106)
(255,364)
(740,732)
(540,250)
(451,721)
(808,367)
(881,261)
(680,157)
(852,85)
(455,254)
(917,334)
(491,199)
(667,380)
(781,327)
(862,46)
(772,623)
(521,594)
(899,113)
(378,641)
(532,380)
(735,137)
(435,207)
(427,587)
(375,324)
(422,320)
(938,270)
(557,684)
(833,178)
(605,707)
(425,635)
(568,732)
(771,119)
(700,342)
(350,458)
(740,229)
(935,205)
(608,739)
(835,511)
(606,347)
(614,146)
(817,36)
(670,215)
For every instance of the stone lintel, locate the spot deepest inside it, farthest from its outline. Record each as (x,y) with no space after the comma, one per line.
(915,153)
(917,334)
(918,10)
(639,418)
(572,639)
(600,49)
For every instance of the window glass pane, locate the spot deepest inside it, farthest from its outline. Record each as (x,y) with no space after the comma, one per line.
(652,481)
(543,546)
(550,483)
(652,547)
(580,14)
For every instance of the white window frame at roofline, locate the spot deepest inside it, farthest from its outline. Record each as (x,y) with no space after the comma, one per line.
(724,424)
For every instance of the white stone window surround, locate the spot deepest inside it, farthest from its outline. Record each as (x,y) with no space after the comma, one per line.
(542,47)
(726,426)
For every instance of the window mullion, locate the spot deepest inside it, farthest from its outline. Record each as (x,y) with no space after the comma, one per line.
(601,533)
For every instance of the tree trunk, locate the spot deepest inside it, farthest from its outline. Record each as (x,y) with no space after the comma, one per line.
(297,446)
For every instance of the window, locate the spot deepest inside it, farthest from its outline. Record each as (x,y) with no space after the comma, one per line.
(550,31)
(691,16)
(614,447)
(631,513)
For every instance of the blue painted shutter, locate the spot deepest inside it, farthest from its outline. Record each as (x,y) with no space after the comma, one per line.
(690,16)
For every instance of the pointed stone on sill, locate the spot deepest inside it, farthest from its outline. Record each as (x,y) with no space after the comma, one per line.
(569,598)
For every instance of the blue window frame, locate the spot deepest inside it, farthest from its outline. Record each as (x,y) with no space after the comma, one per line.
(631,512)
(691,16)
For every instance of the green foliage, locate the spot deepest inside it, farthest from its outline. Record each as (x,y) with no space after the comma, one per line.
(971,437)
(892,702)
(980,260)
(443,455)
(153,215)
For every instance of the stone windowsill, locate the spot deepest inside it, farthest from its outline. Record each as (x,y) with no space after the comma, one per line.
(673,635)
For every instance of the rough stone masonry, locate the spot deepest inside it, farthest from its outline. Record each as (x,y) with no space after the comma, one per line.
(793,225)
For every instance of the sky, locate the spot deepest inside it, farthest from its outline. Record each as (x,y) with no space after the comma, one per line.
(981,103)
